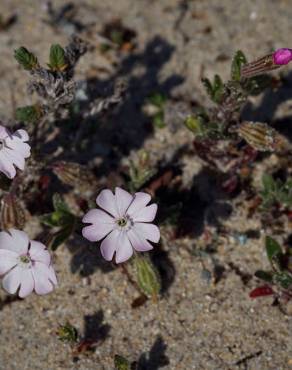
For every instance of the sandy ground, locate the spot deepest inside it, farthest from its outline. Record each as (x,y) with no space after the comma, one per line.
(197,324)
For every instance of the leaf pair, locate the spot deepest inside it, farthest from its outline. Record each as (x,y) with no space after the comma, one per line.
(61,218)
(158,100)
(57,60)
(214,89)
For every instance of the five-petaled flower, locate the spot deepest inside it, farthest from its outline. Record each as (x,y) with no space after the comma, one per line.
(25,264)
(124,224)
(13,151)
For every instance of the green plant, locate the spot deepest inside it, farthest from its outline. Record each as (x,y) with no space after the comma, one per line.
(62,219)
(276,192)
(281,274)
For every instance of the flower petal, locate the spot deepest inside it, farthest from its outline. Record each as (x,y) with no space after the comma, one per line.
(95,233)
(12,280)
(146,214)
(41,275)
(123,200)
(109,245)
(52,275)
(140,201)
(148,231)
(14,240)
(107,201)
(21,134)
(97,217)
(6,165)
(26,283)
(138,242)
(16,158)
(8,259)
(38,252)
(4,132)
(124,249)
(18,146)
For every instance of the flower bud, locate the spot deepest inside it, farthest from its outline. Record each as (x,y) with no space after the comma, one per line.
(267,63)
(259,66)
(147,277)
(71,173)
(282,56)
(261,137)
(12,213)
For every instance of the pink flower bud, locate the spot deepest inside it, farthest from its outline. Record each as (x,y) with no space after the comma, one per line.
(282,56)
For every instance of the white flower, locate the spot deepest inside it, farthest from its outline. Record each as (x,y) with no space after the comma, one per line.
(124,226)
(13,151)
(25,264)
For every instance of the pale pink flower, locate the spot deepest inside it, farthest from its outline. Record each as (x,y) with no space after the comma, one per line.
(123,224)
(25,264)
(13,151)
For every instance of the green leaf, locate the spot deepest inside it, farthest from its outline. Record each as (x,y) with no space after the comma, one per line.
(147,277)
(25,58)
(284,279)
(195,124)
(208,87)
(158,120)
(50,219)
(269,183)
(121,363)
(67,333)
(28,114)
(116,36)
(273,249)
(238,61)
(57,58)
(263,275)
(157,99)
(59,204)
(218,88)
(61,236)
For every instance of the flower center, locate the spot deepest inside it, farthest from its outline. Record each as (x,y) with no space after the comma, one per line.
(25,261)
(124,222)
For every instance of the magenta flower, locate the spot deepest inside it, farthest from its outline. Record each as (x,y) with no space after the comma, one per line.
(25,264)
(124,224)
(282,56)
(13,151)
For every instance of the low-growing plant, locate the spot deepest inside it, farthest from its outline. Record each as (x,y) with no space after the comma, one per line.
(278,280)
(276,192)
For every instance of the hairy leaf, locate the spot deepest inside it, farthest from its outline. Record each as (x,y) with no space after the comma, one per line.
(25,58)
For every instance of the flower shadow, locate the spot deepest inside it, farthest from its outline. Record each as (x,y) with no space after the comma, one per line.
(204,203)
(155,359)
(94,328)
(86,257)
(112,134)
